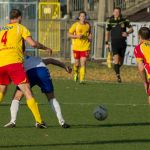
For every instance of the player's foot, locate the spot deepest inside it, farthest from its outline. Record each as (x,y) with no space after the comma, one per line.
(75,78)
(10,125)
(82,82)
(119,79)
(65,125)
(41,125)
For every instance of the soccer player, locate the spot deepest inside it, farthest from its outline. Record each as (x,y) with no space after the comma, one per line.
(11,60)
(39,75)
(80,33)
(142,54)
(117,28)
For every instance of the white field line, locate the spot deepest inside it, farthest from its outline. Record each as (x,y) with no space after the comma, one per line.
(88,104)
(107,104)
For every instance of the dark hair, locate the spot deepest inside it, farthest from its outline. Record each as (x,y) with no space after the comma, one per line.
(118,8)
(144,32)
(15,13)
(82,12)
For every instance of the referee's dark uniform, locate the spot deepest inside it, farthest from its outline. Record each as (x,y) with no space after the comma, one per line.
(116,26)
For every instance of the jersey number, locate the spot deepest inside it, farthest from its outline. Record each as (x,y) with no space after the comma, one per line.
(4,38)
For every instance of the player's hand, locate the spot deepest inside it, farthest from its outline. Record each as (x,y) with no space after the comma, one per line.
(124,34)
(149,100)
(146,86)
(90,37)
(107,46)
(68,69)
(80,36)
(49,50)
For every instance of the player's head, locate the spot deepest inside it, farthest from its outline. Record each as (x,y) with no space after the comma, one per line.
(144,33)
(15,15)
(117,12)
(82,16)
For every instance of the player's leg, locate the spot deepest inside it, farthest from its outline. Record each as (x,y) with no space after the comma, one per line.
(4,81)
(45,83)
(76,65)
(19,78)
(83,58)
(31,102)
(14,108)
(2,91)
(116,58)
(54,104)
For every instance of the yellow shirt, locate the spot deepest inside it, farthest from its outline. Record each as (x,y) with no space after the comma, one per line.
(11,41)
(82,44)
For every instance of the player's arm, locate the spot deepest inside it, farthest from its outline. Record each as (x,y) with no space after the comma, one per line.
(143,75)
(130,28)
(57,63)
(142,71)
(140,64)
(36,44)
(107,33)
(26,35)
(72,31)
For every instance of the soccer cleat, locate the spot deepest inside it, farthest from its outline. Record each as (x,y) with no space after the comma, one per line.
(82,82)
(65,125)
(10,125)
(119,79)
(75,77)
(41,125)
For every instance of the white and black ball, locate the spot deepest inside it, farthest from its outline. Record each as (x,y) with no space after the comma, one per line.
(100,113)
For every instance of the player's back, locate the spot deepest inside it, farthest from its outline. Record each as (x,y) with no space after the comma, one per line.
(11,37)
(33,62)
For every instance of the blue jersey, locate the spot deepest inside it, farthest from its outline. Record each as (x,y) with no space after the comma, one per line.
(38,74)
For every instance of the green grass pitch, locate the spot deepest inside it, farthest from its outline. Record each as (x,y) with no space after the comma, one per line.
(126,128)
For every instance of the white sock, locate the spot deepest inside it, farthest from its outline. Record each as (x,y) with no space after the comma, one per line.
(14,110)
(57,110)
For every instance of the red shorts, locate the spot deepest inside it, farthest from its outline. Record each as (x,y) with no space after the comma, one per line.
(13,72)
(79,54)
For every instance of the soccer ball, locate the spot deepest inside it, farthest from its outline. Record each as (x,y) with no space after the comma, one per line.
(100,113)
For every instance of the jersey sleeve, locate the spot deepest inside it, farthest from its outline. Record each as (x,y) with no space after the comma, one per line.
(72,28)
(138,54)
(108,25)
(25,32)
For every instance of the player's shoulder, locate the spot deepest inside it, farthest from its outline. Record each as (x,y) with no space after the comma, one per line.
(109,19)
(22,27)
(75,23)
(138,47)
(124,18)
(87,23)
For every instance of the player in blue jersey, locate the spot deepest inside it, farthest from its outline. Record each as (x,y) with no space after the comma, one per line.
(39,75)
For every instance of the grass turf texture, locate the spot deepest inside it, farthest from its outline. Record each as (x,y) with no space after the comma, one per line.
(126,128)
(97,71)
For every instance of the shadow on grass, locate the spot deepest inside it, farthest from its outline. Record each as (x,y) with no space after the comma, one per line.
(91,125)
(81,143)
(112,125)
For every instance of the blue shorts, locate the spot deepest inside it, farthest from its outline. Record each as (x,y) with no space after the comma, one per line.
(40,76)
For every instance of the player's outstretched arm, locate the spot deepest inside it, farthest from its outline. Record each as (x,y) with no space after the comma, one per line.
(38,45)
(143,75)
(57,63)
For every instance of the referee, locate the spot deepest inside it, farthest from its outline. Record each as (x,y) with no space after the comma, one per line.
(117,29)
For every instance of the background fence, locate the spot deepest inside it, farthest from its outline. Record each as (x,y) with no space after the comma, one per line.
(29,11)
